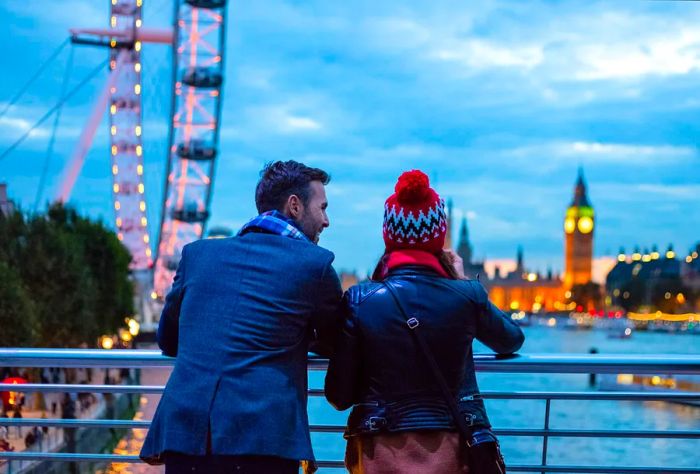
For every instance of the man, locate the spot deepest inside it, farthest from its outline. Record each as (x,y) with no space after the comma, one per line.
(239,319)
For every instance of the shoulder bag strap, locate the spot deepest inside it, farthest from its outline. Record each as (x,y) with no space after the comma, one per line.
(413,324)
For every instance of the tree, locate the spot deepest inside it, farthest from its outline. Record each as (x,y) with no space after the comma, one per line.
(74,273)
(18,323)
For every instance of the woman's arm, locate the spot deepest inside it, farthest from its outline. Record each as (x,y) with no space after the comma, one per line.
(493,327)
(344,367)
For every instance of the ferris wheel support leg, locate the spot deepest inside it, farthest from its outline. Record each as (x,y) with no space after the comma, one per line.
(86,137)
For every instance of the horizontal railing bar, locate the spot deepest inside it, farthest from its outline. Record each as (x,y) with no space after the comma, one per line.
(603,469)
(525,363)
(554,433)
(122,358)
(80,388)
(69,457)
(600,395)
(624,396)
(629,396)
(120,458)
(75,423)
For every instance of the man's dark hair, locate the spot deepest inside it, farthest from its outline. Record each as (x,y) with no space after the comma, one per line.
(281,179)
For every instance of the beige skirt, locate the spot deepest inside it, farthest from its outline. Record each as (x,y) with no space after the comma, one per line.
(425,452)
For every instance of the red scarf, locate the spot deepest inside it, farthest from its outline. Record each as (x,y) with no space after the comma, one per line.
(404,257)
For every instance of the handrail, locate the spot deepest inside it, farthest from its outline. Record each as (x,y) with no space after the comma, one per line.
(519,363)
(650,395)
(526,363)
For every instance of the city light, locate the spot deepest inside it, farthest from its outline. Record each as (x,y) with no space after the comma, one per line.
(154,295)
(106,342)
(115,169)
(137,67)
(670,254)
(134,326)
(621,257)
(531,277)
(137,89)
(137,46)
(117,205)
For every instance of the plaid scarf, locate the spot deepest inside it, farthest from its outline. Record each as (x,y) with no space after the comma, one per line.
(274,222)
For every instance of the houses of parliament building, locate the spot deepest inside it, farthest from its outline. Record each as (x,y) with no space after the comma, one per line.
(521,289)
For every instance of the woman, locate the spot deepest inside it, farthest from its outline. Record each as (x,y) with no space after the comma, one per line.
(400,421)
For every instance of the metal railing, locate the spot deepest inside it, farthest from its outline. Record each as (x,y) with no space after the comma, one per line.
(533,363)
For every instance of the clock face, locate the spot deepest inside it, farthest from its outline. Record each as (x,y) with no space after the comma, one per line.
(585,225)
(569,225)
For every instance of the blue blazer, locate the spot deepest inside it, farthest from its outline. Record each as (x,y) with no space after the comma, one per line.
(239,319)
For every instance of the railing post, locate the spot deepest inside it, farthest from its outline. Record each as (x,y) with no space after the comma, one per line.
(545,439)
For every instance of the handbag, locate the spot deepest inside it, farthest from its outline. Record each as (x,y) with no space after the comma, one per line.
(478,445)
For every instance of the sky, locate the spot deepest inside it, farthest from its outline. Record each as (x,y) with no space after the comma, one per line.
(499,102)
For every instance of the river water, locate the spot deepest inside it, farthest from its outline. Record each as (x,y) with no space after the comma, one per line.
(530,413)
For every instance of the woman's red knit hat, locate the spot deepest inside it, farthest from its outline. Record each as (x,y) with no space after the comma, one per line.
(414,216)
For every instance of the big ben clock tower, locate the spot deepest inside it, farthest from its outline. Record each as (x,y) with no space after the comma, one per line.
(579,224)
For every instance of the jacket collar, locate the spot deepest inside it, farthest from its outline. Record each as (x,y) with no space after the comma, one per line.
(417,270)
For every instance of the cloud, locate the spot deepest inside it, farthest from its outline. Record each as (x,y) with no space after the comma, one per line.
(18,126)
(480,54)
(676,53)
(608,152)
(294,123)
(676,192)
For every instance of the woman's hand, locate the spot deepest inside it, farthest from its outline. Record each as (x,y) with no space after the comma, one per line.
(452,259)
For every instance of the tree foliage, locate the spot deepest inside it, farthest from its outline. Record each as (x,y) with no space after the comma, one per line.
(74,273)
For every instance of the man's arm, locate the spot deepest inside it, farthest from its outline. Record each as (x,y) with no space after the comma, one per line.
(168,327)
(342,377)
(494,328)
(328,315)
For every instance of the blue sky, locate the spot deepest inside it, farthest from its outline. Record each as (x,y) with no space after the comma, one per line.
(499,102)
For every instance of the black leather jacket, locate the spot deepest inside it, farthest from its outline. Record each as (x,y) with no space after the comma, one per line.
(378,367)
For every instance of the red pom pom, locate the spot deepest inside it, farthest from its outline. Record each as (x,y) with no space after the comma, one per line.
(413,186)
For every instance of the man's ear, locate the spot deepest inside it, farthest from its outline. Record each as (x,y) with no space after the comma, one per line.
(294,206)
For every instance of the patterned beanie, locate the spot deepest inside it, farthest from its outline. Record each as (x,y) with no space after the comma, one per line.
(414,216)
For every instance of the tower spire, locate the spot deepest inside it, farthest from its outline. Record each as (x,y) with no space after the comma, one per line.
(580,194)
(464,247)
(520,267)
